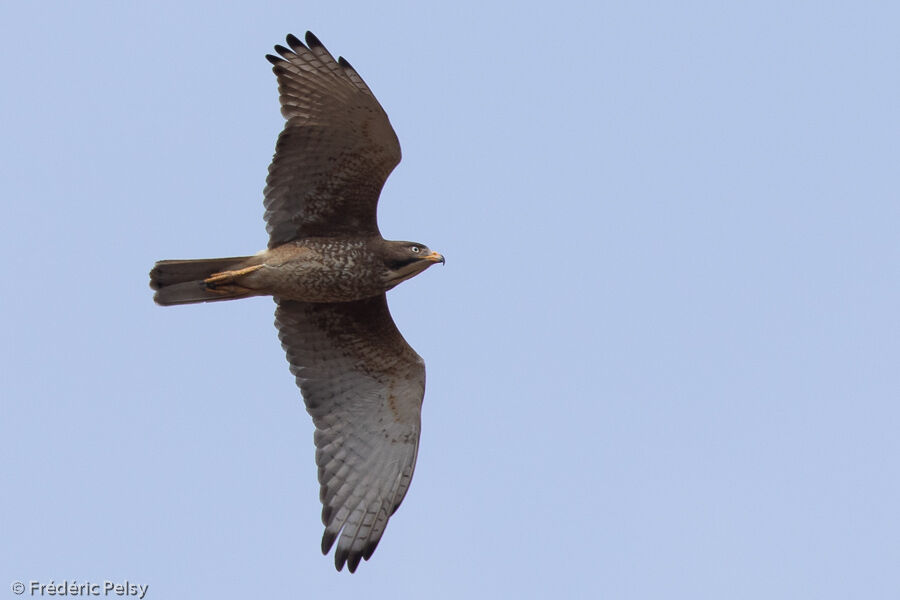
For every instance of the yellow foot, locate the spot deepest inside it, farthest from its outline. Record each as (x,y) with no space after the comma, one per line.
(229,276)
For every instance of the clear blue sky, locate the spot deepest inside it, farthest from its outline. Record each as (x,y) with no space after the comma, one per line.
(663,356)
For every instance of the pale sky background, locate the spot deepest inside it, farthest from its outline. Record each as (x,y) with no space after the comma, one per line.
(662,357)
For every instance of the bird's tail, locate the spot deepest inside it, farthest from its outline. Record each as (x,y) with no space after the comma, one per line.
(200,280)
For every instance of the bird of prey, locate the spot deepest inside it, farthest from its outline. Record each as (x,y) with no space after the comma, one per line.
(328,269)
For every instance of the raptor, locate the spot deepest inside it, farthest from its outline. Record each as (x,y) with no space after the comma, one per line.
(328,268)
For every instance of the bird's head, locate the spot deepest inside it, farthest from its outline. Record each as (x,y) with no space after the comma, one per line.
(403,260)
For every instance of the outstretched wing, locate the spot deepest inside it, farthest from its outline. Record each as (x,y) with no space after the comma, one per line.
(363,385)
(335,152)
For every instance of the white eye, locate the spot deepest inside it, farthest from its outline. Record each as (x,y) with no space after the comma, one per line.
(415,249)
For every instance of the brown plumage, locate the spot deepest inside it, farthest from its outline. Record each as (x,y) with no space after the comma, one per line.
(328,269)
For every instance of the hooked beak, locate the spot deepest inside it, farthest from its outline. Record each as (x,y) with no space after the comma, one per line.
(435,258)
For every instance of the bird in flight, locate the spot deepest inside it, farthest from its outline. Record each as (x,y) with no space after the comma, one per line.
(328,269)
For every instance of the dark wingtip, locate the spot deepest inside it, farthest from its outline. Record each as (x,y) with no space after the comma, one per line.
(312,40)
(294,42)
(282,50)
(340,558)
(344,63)
(327,541)
(353,562)
(274,59)
(370,549)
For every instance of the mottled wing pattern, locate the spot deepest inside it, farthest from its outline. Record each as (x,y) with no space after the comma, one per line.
(363,385)
(335,152)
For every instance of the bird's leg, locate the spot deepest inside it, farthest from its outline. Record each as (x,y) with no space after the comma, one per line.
(229,276)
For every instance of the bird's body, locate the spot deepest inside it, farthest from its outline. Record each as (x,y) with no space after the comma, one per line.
(328,269)
(339,269)
(321,270)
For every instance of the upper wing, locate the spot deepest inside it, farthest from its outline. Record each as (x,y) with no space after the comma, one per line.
(363,385)
(335,153)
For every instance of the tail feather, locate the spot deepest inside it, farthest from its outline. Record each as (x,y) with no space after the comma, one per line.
(183,281)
